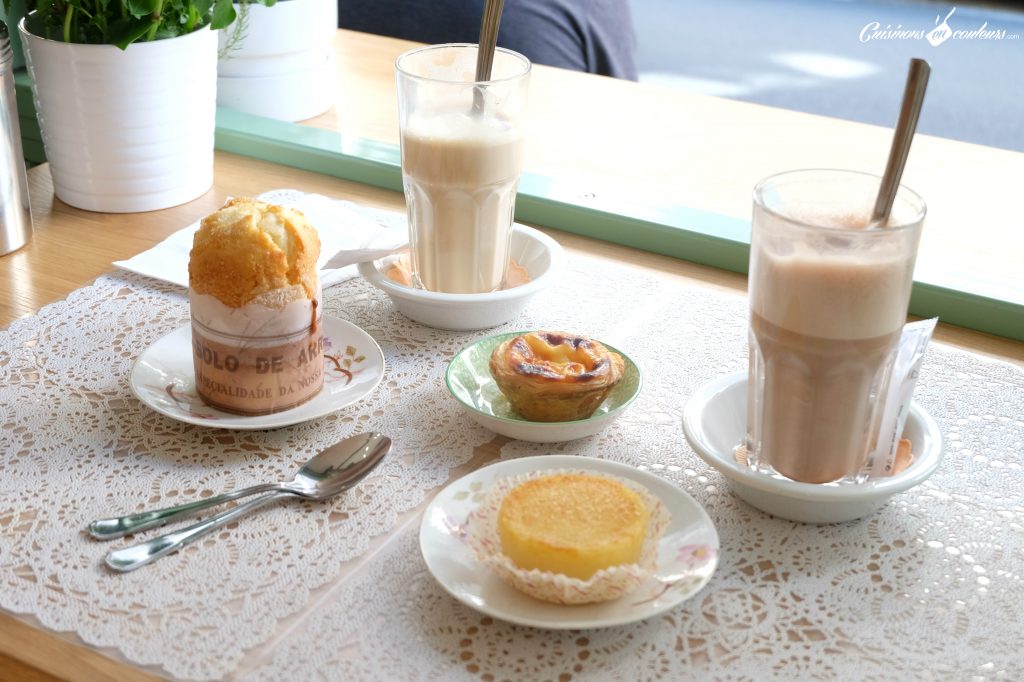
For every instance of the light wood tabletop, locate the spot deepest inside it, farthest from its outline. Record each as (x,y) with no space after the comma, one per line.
(71,247)
(623,144)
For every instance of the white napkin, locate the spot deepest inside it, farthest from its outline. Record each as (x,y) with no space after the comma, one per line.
(341,229)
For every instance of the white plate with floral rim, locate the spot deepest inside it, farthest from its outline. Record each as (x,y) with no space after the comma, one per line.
(164,379)
(687,552)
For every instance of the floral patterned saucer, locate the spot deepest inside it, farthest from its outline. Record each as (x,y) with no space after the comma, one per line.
(163,378)
(687,551)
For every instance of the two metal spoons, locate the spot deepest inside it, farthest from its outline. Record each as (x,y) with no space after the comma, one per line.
(332,471)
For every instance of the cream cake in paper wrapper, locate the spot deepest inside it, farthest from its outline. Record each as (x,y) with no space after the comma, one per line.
(484,540)
(255,298)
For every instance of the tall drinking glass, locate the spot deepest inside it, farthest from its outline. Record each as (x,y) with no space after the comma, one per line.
(462,149)
(828,300)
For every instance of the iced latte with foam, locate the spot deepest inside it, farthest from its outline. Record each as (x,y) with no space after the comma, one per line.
(462,149)
(828,300)
(461,173)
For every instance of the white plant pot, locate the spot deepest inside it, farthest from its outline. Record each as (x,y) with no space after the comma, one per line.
(283,67)
(285,97)
(126,131)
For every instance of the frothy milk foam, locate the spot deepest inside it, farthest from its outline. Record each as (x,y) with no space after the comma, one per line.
(461,171)
(825,326)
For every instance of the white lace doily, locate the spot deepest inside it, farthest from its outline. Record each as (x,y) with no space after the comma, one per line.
(929,586)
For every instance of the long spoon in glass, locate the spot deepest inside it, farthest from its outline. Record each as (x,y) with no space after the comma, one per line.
(485,49)
(906,125)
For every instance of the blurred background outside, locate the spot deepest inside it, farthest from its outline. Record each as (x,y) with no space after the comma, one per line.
(836,58)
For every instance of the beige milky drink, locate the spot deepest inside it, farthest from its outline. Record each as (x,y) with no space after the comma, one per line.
(461,172)
(461,159)
(828,300)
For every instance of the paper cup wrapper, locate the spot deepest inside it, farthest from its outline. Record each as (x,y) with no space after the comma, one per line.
(257,359)
(605,585)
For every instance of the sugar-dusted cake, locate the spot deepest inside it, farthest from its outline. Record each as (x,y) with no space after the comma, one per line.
(573,524)
(249,251)
(257,338)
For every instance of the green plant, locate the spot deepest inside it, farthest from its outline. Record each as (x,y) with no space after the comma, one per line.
(123,22)
(236,32)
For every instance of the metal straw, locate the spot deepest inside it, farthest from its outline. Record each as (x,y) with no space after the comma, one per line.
(910,111)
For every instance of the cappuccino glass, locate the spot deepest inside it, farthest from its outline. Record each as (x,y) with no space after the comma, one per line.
(462,150)
(828,300)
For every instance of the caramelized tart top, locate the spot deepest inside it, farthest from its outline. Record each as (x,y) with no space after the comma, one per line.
(558,356)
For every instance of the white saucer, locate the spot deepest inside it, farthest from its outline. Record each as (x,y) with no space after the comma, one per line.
(541,255)
(715,422)
(687,553)
(164,379)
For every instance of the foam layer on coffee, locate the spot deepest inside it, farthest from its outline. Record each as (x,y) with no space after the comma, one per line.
(856,294)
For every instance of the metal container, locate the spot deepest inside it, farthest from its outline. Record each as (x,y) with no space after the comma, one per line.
(15,214)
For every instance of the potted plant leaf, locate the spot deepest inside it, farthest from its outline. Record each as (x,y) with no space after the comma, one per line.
(125,92)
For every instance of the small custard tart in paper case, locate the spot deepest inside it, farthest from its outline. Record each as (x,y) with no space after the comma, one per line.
(569,537)
(550,376)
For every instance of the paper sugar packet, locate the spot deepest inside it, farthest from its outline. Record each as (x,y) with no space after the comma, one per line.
(906,368)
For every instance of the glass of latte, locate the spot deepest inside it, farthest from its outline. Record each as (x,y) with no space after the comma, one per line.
(462,149)
(828,300)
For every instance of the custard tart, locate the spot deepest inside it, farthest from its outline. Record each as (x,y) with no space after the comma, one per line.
(554,376)
(574,524)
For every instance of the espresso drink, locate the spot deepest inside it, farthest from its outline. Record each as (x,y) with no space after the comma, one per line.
(460,171)
(824,324)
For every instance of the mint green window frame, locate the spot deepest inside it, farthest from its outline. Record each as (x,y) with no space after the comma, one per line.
(689,234)
(686,233)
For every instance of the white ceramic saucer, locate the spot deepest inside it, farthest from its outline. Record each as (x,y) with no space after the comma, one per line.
(541,255)
(715,422)
(163,378)
(687,552)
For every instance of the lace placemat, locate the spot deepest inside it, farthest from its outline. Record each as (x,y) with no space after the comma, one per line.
(931,582)
(930,587)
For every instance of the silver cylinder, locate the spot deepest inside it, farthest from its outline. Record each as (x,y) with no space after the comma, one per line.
(15,213)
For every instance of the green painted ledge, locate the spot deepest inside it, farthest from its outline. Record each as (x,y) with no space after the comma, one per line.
(678,231)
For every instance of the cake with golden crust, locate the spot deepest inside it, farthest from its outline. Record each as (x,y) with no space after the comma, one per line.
(552,376)
(574,524)
(254,296)
(253,252)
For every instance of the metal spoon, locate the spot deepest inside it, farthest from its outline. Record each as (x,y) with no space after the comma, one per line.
(906,124)
(308,482)
(334,470)
(485,49)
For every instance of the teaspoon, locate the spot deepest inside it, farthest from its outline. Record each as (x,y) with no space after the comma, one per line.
(485,49)
(903,135)
(334,470)
(317,479)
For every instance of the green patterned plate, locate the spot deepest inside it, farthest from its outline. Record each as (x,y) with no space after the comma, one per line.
(469,380)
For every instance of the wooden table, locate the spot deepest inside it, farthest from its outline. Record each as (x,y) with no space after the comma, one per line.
(619,143)
(71,247)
